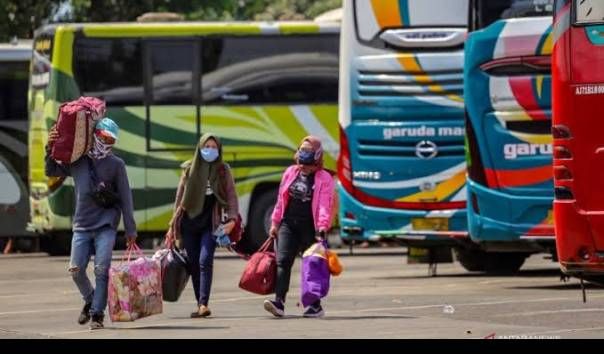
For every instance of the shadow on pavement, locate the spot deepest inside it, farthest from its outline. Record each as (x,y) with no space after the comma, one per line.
(576,286)
(368,317)
(529,273)
(165,327)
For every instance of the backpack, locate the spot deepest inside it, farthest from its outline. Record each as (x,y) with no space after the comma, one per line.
(75,126)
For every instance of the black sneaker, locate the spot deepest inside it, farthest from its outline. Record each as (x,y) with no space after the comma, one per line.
(85,314)
(314,312)
(97,321)
(275,307)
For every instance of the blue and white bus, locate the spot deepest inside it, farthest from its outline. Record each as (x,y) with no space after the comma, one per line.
(402,168)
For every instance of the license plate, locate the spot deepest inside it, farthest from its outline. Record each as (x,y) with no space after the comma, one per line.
(430,224)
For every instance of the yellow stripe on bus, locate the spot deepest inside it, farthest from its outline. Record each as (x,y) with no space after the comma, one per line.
(387,13)
(443,190)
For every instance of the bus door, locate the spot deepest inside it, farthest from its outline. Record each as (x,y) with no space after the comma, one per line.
(172,101)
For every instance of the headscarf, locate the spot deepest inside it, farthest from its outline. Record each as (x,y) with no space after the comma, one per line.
(317,147)
(198,174)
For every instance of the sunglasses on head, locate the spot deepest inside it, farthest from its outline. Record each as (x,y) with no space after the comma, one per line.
(105,137)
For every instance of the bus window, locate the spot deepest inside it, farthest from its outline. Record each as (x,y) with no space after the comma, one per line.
(171,66)
(172,73)
(244,70)
(13,91)
(589,12)
(485,12)
(42,55)
(110,69)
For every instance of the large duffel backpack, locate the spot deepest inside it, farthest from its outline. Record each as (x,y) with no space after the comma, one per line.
(75,125)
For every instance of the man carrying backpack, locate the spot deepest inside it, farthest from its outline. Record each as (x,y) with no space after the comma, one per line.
(102,194)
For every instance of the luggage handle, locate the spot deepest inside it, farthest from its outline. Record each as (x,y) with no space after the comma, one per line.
(266,245)
(133,248)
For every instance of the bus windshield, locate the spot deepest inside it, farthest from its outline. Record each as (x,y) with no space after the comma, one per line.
(485,12)
(589,12)
(373,16)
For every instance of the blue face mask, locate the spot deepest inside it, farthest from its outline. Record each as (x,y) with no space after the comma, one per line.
(209,154)
(306,157)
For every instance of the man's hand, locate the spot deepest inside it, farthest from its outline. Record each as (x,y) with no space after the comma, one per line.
(53,136)
(273,232)
(130,240)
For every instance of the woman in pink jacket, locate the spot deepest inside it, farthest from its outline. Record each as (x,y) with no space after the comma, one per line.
(303,213)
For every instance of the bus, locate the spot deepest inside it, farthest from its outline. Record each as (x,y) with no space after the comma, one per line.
(14,78)
(507,82)
(402,162)
(261,87)
(578,89)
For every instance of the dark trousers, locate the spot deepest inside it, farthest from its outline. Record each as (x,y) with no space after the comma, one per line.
(200,246)
(295,236)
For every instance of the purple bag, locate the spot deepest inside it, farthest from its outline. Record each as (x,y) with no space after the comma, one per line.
(315,274)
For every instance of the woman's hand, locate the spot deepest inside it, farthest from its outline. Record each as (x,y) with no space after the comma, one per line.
(273,232)
(229,226)
(322,235)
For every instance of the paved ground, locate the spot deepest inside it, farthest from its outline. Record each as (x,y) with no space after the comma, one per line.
(377,296)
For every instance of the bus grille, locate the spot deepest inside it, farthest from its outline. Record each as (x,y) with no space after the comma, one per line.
(396,84)
(377,148)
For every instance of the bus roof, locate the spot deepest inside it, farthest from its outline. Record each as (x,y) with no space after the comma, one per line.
(16,52)
(166,29)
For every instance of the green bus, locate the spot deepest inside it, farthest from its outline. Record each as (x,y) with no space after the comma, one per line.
(261,87)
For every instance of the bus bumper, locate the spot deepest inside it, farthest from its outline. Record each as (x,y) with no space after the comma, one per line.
(503,222)
(362,222)
(578,253)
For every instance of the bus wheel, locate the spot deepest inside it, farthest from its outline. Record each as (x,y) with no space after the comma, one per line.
(505,263)
(259,222)
(473,260)
(58,244)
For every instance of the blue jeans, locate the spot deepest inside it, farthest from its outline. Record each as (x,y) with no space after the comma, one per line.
(83,245)
(200,246)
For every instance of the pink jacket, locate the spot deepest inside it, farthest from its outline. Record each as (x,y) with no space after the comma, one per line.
(323,198)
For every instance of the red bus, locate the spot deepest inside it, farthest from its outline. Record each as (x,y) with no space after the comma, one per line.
(578,126)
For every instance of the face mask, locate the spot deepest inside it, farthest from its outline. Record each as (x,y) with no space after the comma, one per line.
(209,154)
(221,238)
(306,157)
(99,150)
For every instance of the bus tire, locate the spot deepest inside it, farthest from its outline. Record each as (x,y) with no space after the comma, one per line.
(504,263)
(260,218)
(57,244)
(473,260)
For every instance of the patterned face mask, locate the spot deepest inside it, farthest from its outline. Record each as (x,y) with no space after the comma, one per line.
(100,150)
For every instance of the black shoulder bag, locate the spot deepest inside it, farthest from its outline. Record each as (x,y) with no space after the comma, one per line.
(102,193)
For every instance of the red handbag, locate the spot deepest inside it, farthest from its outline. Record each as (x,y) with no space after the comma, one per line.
(260,271)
